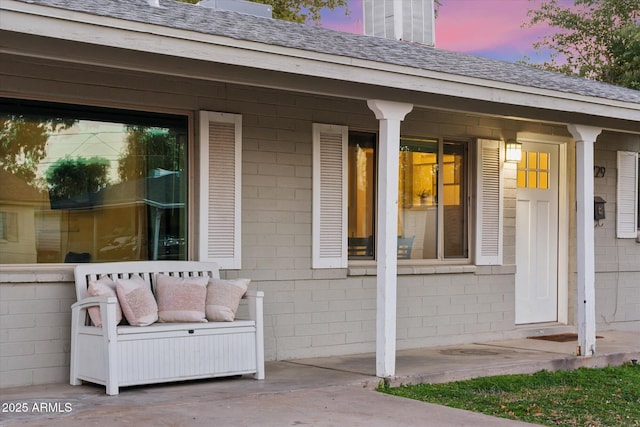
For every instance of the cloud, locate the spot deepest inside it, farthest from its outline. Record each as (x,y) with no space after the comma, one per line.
(487,27)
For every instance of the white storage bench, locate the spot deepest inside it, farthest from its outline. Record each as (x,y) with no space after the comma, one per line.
(122,355)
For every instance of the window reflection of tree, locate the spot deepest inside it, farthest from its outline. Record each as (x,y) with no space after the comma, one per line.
(114,204)
(23,143)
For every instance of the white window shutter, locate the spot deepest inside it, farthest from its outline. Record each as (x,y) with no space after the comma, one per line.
(329,223)
(489,208)
(220,188)
(627,195)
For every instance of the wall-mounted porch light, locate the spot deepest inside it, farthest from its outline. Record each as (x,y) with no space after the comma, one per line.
(514,151)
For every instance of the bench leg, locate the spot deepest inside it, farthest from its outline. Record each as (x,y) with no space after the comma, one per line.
(112,388)
(259,375)
(256,313)
(110,340)
(73,368)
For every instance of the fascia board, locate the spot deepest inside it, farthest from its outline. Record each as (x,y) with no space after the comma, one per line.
(105,31)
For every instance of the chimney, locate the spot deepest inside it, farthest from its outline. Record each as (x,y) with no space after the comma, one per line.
(409,20)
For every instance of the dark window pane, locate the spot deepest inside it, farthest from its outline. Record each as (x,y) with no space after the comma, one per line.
(418,198)
(92,185)
(361,185)
(455,200)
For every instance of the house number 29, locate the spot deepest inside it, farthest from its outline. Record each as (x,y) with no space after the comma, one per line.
(598,171)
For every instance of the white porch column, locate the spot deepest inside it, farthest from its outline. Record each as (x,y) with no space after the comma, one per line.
(585,137)
(390,114)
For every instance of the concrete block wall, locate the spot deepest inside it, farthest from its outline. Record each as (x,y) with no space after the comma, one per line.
(35,331)
(312,318)
(307,312)
(323,317)
(453,308)
(617,260)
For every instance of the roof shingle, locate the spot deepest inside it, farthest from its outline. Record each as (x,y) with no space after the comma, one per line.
(315,39)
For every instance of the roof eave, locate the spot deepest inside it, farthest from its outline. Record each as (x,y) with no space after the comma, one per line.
(69,25)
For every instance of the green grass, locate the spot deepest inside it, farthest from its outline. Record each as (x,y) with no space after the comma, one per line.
(583,397)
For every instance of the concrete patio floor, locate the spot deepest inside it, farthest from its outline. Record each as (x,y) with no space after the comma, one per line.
(327,391)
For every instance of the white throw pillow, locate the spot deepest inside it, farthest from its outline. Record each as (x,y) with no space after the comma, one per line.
(136,299)
(181,299)
(223,298)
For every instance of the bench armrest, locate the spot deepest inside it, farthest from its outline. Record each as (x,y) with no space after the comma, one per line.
(108,331)
(107,309)
(254,298)
(93,301)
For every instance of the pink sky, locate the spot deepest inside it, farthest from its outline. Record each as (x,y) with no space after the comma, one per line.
(490,28)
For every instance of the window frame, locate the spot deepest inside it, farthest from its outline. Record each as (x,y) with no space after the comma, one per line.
(122,114)
(485,246)
(440,247)
(370,241)
(467,182)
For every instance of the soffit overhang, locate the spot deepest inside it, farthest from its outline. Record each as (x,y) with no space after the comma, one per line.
(65,36)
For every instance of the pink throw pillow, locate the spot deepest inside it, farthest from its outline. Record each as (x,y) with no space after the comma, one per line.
(103,287)
(136,299)
(181,299)
(223,298)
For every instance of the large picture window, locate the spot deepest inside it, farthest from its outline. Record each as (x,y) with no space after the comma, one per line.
(433,211)
(90,184)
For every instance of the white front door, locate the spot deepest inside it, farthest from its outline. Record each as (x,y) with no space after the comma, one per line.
(537,234)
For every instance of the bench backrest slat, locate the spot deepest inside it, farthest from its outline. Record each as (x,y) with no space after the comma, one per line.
(84,273)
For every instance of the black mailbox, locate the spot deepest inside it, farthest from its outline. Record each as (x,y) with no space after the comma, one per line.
(598,208)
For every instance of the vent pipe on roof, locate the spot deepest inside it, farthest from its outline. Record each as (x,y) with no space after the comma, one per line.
(247,7)
(154,3)
(410,20)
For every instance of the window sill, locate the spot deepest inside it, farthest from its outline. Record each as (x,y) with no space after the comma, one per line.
(34,273)
(370,269)
(361,268)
